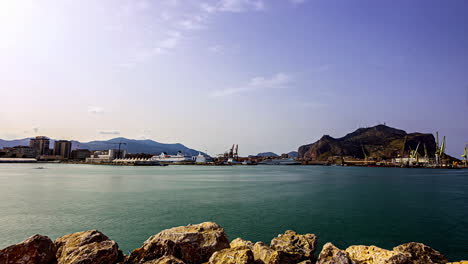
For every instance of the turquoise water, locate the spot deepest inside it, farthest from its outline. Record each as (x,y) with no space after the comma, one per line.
(344,205)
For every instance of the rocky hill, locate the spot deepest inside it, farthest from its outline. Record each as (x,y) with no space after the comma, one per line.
(379,142)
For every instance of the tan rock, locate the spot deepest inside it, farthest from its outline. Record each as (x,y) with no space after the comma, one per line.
(239,255)
(421,254)
(299,247)
(333,255)
(375,255)
(87,247)
(263,254)
(165,260)
(191,244)
(459,262)
(34,250)
(239,242)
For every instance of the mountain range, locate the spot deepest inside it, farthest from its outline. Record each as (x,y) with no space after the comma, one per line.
(131,145)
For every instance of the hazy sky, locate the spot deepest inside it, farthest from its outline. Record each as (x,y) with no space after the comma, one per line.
(269,75)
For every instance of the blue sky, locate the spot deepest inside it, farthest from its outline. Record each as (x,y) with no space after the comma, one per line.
(268,75)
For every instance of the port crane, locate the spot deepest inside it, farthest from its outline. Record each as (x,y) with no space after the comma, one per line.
(120,143)
(465,154)
(440,150)
(364,152)
(414,154)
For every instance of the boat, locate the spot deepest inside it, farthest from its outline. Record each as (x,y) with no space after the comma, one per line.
(279,162)
(164,157)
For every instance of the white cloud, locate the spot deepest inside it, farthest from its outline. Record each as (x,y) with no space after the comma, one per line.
(95,110)
(107,132)
(234,6)
(278,81)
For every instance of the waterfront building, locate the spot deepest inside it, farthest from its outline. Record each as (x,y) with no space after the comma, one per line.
(40,145)
(106,156)
(18,152)
(80,154)
(62,148)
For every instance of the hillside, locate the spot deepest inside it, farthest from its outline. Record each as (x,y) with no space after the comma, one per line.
(380,142)
(132,145)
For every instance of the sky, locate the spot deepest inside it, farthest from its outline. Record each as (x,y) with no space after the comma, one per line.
(269,75)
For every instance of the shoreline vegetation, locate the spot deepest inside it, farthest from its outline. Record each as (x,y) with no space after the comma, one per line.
(208,243)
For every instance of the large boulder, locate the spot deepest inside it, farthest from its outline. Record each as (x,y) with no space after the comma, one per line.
(87,247)
(165,260)
(375,255)
(333,255)
(421,254)
(34,250)
(263,254)
(191,244)
(239,242)
(299,247)
(239,255)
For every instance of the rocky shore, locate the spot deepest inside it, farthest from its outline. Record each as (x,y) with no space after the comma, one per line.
(208,243)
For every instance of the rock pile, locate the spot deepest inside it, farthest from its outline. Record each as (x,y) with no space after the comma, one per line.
(207,243)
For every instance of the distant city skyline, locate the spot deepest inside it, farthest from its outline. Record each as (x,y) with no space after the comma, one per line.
(267,75)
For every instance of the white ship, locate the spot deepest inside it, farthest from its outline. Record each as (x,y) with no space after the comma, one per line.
(164,157)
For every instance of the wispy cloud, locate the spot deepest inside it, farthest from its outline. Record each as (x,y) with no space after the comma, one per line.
(278,81)
(234,6)
(95,110)
(109,132)
(34,129)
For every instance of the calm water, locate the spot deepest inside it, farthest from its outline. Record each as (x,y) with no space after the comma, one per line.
(385,207)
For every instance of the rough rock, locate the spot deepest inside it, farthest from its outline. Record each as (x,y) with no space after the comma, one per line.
(87,247)
(239,255)
(165,260)
(263,254)
(375,255)
(459,262)
(300,247)
(191,244)
(239,242)
(34,250)
(333,255)
(421,254)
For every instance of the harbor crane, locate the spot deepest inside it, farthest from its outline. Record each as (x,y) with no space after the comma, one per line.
(414,154)
(120,143)
(440,149)
(465,154)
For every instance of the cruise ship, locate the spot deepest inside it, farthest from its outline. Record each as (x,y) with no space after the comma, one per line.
(164,157)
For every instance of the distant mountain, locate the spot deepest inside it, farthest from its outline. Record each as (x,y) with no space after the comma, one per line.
(381,142)
(132,145)
(265,154)
(14,143)
(293,154)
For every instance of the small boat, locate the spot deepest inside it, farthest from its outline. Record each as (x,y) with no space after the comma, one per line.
(39,168)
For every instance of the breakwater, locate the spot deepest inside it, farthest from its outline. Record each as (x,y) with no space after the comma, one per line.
(208,243)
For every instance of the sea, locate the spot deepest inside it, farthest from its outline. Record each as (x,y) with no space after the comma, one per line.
(343,205)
